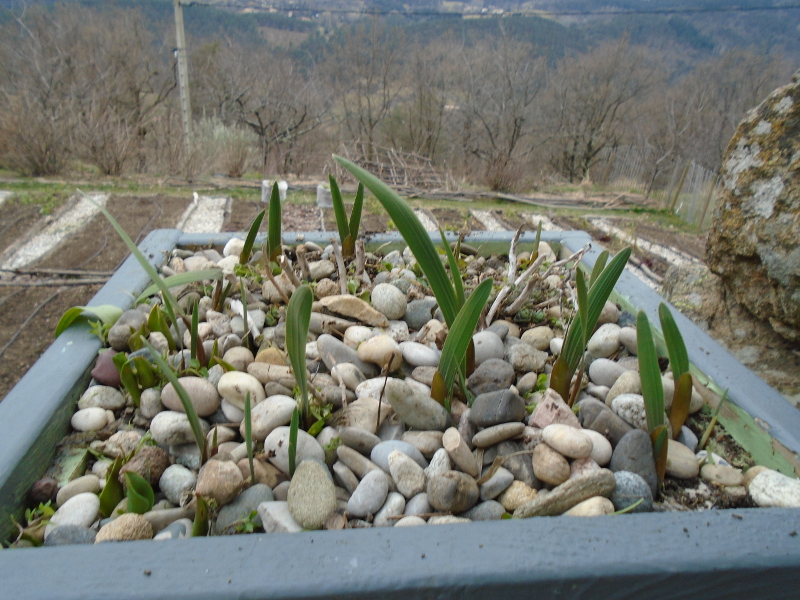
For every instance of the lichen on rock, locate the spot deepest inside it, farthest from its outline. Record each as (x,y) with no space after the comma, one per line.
(753,241)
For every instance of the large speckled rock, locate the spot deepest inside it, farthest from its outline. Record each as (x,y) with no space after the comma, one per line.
(752,243)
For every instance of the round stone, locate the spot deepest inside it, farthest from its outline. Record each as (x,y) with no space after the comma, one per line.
(86,484)
(550,466)
(605,341)
(219,480)
(380,453)
(273,412)
(681,462)
(630,407)
(452,491)
(493,375)
(239,357)
(81,509)
(494,408)
(516,495)
(66,535)
(627,383)
(170,428)
(539,337)
(601,447)
(126,527)
(722,474)
(312,494)
(407,474)
(102,396)
(567,441)
(381,350)
(370,495)
(234,386)
(175,481)
(389,300)
(487,345)
(771,488)
(276,445)
(393,507)
(89,419)
(593,507)
(419,355)
(605,372)
(630,489)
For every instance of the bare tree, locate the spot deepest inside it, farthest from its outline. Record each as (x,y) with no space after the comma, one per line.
(590,100)
(498,84)
(365,67)
(270,95)
(726,88)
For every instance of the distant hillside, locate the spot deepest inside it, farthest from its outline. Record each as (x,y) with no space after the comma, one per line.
(687,35)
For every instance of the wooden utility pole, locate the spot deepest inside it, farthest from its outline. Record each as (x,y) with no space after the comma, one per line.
(183,76)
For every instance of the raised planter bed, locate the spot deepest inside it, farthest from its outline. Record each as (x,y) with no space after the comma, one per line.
(705,554)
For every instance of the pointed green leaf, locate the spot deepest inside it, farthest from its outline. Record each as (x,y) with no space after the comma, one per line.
(112,493)
(293,427)
(193,331)
(650,374)
(583,303)
(599,293)
(680,403)
(355,214)
(338,210)
(676,348)
(599,265)
(157,322)
(460,334)
(180,279)
(455,272)
(660,446)
(248,436)
(414,235)
(200,524)
(140,494)
(107,313)
(298,317)
(274,240)
(251,238)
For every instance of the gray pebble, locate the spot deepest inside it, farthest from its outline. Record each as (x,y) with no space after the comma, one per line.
(630,487)
(370,495)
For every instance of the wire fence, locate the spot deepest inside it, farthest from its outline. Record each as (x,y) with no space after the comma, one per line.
(685,188)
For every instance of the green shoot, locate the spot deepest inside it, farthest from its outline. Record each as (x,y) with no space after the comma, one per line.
(415,236)
(112,493)
(455,272)
(679,363)
(293,427)
(274,241)
(599,265)
(536,242)
(650,374)
(200,525)
(107,314)
(298,317)
(574,342)
(248,436)
(348,232)
(458,339)
(181,279)
(140,493)
(157,322)
(251,238)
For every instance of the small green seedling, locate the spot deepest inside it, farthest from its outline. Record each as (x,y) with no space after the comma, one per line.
(348,231)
